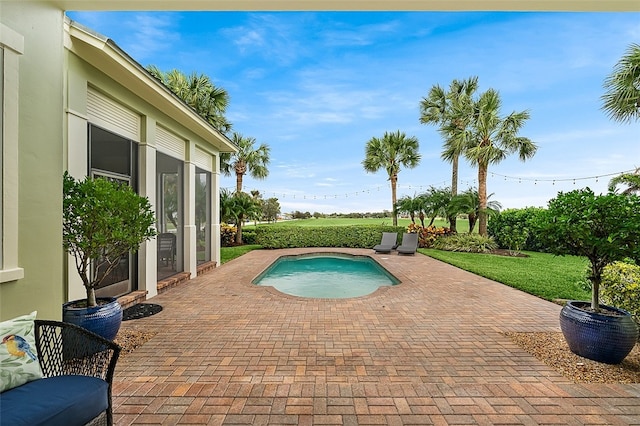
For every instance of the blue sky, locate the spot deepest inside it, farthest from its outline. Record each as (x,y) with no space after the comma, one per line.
(316,86)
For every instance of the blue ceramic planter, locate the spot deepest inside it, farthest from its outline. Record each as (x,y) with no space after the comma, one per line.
(104,319)
(597,336)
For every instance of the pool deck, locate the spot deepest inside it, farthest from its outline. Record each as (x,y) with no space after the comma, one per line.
(428,351)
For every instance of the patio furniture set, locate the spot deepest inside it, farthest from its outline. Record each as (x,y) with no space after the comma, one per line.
(389,242)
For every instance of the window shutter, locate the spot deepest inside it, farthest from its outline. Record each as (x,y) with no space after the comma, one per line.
(170,144)
(203,159)
(112,116)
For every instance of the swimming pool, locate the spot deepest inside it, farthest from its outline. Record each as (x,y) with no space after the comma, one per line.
(326,275)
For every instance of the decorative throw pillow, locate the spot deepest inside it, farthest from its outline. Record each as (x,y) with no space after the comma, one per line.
(18,357)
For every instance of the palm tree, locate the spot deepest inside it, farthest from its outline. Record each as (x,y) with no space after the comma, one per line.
(391,152)
(622,98)
(226,205)
(451,111)
(491,139)
(468,203)
(197,91)
(244,207)
(247,159)
(410,205)
(631,180)
(436,202)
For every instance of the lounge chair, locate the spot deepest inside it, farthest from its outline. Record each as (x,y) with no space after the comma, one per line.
(409,244)
(389,242)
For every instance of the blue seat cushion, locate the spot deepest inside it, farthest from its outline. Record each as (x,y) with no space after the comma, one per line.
(53,401)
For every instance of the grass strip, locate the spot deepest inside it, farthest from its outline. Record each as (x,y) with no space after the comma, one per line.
(230,253)
(541,274)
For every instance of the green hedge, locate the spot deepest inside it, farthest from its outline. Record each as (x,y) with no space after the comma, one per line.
(248,236)
(520,221)
(356,236)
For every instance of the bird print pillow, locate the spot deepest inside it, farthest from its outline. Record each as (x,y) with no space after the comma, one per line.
(18,358)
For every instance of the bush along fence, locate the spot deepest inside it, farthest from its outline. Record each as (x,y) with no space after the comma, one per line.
(356,236)
(513,229)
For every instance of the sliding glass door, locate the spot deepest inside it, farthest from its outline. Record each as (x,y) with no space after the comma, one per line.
(169,215)
(115,158)
(203,216)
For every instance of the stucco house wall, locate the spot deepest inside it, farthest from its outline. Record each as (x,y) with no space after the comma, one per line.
(38,171)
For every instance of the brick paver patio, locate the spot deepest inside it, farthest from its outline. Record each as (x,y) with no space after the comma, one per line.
(429,351)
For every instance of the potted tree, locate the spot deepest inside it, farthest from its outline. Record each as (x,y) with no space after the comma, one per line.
(103,220)
(604,229)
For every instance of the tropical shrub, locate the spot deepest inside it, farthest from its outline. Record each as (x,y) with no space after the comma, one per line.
(515,238)
(249,236)
(427,235)
(502,225)
(356,236)
(227,234)
(603,228)
(471,243)
(621,287)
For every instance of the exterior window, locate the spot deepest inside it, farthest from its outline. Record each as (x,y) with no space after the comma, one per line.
(11,47)
(203,216)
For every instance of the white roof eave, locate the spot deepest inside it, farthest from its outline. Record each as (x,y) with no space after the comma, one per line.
(102,53)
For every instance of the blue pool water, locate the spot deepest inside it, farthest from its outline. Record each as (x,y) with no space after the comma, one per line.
(330,276)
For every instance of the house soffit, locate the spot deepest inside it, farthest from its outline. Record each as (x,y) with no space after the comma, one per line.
(103,54)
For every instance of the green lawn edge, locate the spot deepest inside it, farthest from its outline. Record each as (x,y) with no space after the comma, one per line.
(230,253)
(540,274)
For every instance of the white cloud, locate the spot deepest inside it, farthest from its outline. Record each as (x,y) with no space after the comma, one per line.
(143,35)
(341,35)
(272,37)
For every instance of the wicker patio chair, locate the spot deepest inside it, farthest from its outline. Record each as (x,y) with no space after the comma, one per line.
(66,349)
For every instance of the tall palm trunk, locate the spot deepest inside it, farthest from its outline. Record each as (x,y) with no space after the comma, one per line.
(239,229)
(241,169)
(472,221)
(238,182)
(482,198)
(394,180)
(454,190)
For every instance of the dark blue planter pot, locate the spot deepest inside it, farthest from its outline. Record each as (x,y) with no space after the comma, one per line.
(596,336)
(104,319)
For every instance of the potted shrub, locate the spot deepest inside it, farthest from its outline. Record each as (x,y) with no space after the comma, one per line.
(103,220)
(604,229)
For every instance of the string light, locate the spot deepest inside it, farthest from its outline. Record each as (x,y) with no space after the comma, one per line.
(553,180)
(519,179)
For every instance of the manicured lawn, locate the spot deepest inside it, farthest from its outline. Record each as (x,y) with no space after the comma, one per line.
(230,253)
(544,275)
